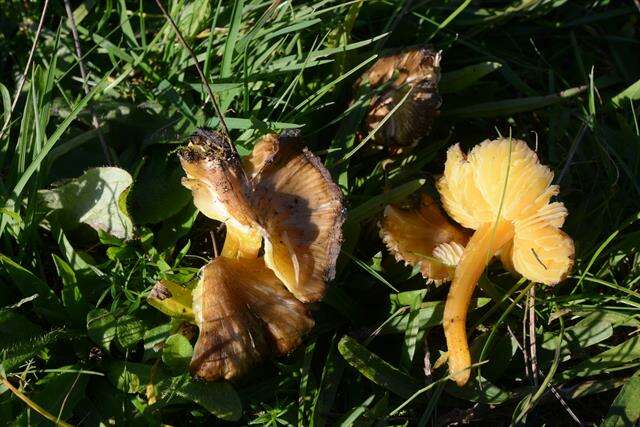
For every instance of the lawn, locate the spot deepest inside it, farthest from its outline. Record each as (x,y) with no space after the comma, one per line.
(99,96)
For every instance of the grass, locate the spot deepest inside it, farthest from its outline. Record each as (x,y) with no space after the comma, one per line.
(79,342)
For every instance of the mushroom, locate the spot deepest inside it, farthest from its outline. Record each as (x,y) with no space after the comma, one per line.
(501,191)
(421,235)
(247,305)
(244,313)
(417,70)
(283,196)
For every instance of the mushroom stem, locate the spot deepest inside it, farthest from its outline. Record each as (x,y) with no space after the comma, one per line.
(484,243)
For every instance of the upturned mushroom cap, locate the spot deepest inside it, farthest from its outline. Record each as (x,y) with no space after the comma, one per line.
(416,70)
(474,192)
(244,314)
(301,213)
(283,195)
(421,235)
(216,179)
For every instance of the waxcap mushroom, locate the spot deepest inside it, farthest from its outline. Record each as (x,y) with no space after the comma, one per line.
(501,191)
(419,234)
(416,69)
(244,314)
(282,196)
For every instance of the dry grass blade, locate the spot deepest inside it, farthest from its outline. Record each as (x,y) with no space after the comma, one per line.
(23,77)
(85,84)
(205,83)
(33,405)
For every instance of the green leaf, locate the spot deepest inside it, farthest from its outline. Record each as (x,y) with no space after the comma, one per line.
(376,369)
(18,353)
(458,80)
(631,93)
(618,357)
(486,392)
(625,410)
(587,332)
(172,299)
(157,192)
(101,327)
(129,331)
(219,398)
(96,199)
(193,16)
(28,284)
(177,352)
(129,377)
(72,298)
(375,204)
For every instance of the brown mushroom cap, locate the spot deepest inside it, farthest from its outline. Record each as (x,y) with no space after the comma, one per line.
(216,179)
(283,195)
(417,70)
(421,235)
(244,314)
(301,212)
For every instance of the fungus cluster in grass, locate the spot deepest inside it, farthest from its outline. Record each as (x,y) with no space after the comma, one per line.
(500,195)
(283,217)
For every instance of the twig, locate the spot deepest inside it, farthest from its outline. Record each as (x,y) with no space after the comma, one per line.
(213,243)
(33,405)
(66,397)
(525,354)
(532,334)
(427,362)
(85,85)
(23,77)
(205,83)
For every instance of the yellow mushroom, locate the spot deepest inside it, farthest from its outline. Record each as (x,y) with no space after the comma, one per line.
(421,235)
(501,191)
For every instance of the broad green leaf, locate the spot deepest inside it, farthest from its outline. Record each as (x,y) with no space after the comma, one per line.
(625,410)
(101,327)
(619,357)
(376,369)
(129,331)
(219,398)
(96,198)
(177,352)
(157,193)
(632,93)
(588,331)
(172,299)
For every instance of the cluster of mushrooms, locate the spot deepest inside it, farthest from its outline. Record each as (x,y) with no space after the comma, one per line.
(283,217)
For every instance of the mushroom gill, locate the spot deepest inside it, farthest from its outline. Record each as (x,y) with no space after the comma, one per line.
(416,70)
(301,215)
(421,235)
(501,191)
(244,313)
